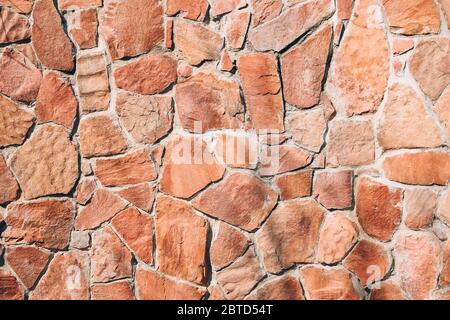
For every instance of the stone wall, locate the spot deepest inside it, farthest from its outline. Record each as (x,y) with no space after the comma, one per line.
(224,149)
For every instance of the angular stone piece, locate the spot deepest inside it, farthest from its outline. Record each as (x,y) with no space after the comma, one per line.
(141,196)
(8,185)
(220,7)
(236,26)
(120,290)
(9,286)
(85,190)
(83,28)
(22,6)
(65,5)
(13,27)
(334,189)
(292,222)
(241,200)
(285,287)
(14,123)
(281,159)
(443,211)
(387,290)
(442,110)
(265,10)
(420,205)
(444,278)
(308,128)
(193,10)
(228,245)
(295,185)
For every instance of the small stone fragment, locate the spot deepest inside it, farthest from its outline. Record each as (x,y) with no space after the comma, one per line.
(220,7)
(280,159)
(141,196)
(193,10)
(83,28)
(8,185)
(236,26)
(65,5)
(420,205)
(334,189)
(9,286)
(80,240)
(265,10)
(295,185)
(285,287)
(13,27)
(228,245)
(120,290)
(85,190)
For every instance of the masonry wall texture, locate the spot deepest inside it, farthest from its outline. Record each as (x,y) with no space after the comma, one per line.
(349,99)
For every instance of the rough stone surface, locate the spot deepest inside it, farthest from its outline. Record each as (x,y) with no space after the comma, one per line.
(282,288)
(14,27)
(442,110)
(141,196)
(334,189)
(295,185)
(265,10)
(420,205)
(236,27)
(83,28)
(22,6)
(228,245)
(308,128)
(281,159)
(444,278)
(193,10)
(78,4)
(443,211)
(8,185)
(10,288)
(15,123)
(387,291)
(47,163)
(120,290)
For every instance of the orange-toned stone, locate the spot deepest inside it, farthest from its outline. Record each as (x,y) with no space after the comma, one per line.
(290,25)
(46,223)
(196,42)
(168,35)
(205,102)
(402,45)
(67,278)
(387,290)
(405,114)
(184,70)
(20,79)
(8,184)
(425,168)
(228,245)
(147,118)
(420,205)
(158,154)
(85,190)
(369,261)
(265,10)
(27,263)
(351,143)
(334,189)
(103,206)
(137,230)
(363,54)
(148,75)
(417,262)
(446,8)
(65,5)
(193,10)
(321,283)
(22,6)
(179,252)
(133,168)
(215,293)
(83,28)
(225,62)
(337,237)
(303,69)
(141,196)
(442,110)
(56,101)
(188,167)
(110,259)
(308,127)
(281,159)
(295,185)
(241,200)
(431,61)
(154,286)
(262,90)
(237,151)
(47,163)
(120,290)
(80,239)
(241,276)
(51,43)
(220,7)
(443,211)
(131,27)
(99,136)
(405,18)
(378,208)
(15,123)
(292,222)
(9,286)
(444,278)
(285,287)
(14,27)
(27,50)
(235,27)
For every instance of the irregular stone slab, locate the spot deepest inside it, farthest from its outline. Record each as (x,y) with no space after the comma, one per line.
(120,290)
(444,278)
(292,222)
(262,90)
(110,259)
(65,5)
(281,159)
(197,43)
(27,263)
(149,75)
(228,245)
(46,223)
(265,10)
(133,168)
(47,163)
(363,54)
(204,102)
(402,45)
(67,278)
(369,261)
(146,118)
(22,6)
(9,286)
(308,128)
(220,7)
(141,196)
(443,211)
(85,190)
(387,290)
(322,283)
(56,101)
(405,115)
(92,80)
(241,200)
(8,184)
(83,28)
(337,237)
(179,253)
(13,27)
(103,206)
(351,143)
(100,136)
(131,27)
(80,239)
(378,207)
(27,50)
(14,123)
(334,189)
(431,61)
(188,167)
(424,168)
(240,277)
(420,205)
(442,110)
(285,287)
(405,18)
(290,25)
(151,285)
(20,79)
(52,45)
(417,263)
(193,10)
(137,231)
(235,27)
(303,69)
(295,185)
